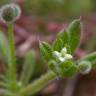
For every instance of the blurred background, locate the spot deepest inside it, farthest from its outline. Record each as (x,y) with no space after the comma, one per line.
(42,20)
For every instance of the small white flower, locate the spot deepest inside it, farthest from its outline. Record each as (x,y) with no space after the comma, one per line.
(63,55)
(10,12)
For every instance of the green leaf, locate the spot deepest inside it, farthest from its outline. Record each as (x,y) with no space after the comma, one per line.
(58,45)
(3,47)
(74,31)
(52,65)
(63,35)
(46,51)
(68,49)
(28,68)
(61,40)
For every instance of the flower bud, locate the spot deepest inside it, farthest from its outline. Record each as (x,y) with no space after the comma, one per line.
(68,68)
(64,69)
(10,13)
(84,67)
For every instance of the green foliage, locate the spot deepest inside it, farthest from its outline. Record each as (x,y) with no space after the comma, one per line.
(53,66)
(61,41)
(58,56)
(28,68)
(74,31)
(58,44)
(70,38)
(2,2)
(66,42)
(68,68)
(59,9)
(63,69)
(3,46)
(64,36)
(46,51)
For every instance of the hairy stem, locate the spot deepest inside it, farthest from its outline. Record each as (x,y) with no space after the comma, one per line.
(38,84)
(49,76)
(12,65)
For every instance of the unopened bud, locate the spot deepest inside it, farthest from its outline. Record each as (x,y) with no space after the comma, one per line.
(84,67)
(10,13)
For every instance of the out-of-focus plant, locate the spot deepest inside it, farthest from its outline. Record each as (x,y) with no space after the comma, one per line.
(4,1)
(58,8)
(59,57)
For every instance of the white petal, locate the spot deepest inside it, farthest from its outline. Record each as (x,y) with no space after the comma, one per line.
(68,56)
(57,54)
(62,59)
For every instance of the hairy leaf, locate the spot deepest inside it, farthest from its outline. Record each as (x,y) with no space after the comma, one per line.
(46,51)
(28,68)
(58,45)
(63,35)
(74,31)
(3,46)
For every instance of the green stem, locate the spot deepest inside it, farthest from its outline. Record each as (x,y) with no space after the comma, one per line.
(12,65)
(49,76)
(38,84)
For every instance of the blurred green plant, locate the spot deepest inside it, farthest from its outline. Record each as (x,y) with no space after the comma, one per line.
(2,2)
(58,9)
(58,56)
